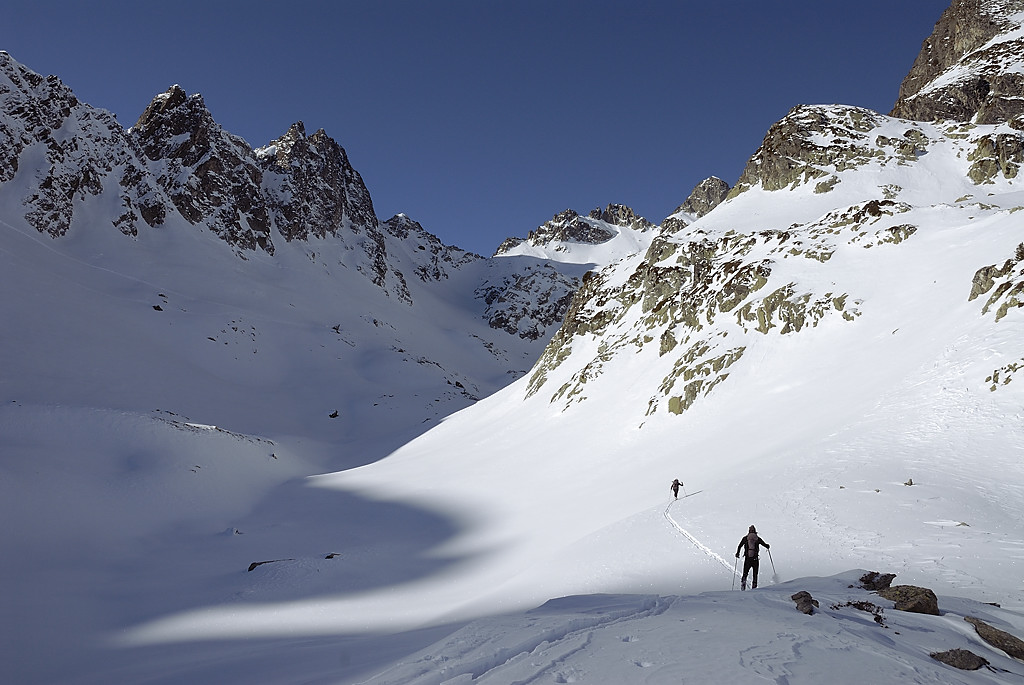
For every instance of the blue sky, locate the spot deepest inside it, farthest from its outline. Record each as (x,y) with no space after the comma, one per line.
(483,119)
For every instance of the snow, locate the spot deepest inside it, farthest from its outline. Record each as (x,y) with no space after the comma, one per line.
(150,458)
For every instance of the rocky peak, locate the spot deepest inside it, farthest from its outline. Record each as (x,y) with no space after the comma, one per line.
(209,174)
(43,102)
(568,226)
(705,196)
(281,149)
(319,192)
(620,215)
(163,103)
(969,68)
(402,227)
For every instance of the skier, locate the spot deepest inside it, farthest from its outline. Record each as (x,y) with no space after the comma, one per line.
(676,483)
(751,541)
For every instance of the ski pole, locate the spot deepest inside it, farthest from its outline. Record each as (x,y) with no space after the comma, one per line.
(734,572)
(775,575)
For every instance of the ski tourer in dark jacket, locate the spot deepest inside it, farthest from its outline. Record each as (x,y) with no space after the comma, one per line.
(750,544)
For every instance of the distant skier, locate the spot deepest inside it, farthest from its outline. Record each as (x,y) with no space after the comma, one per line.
(676,484)
(751,542)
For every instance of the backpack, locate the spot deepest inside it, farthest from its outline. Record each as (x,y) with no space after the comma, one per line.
(752,541)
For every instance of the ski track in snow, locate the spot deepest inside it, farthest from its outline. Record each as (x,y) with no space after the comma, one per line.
(697,543)
(553,642)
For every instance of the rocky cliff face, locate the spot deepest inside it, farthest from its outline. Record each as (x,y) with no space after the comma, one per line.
(969,68)
(69,152)
(314,190)
(436,261)
(210,175)
(705,196)
(529,302)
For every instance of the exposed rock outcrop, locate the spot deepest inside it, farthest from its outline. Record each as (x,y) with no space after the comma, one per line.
(965,70)
(529,303)
(568,227)
(812,143)
(704,197)
(1005,282)
(1000,639)
(805,603)
(435,261)
(318,192)
(84,153)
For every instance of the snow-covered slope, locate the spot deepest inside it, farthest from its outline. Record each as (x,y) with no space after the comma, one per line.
(192,440)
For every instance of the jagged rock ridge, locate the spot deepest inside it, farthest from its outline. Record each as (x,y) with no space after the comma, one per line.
(177,166)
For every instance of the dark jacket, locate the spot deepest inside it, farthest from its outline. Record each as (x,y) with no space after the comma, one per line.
(752,542)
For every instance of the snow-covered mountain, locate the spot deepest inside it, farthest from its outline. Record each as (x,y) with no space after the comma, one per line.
(209,349)
(175,215)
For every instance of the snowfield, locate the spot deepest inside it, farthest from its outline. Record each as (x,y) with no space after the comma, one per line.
(135,529)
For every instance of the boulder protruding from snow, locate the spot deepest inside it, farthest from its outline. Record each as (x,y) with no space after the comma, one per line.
(1000,639)
(964,659)
(875,581)
(916,600)
(804,602)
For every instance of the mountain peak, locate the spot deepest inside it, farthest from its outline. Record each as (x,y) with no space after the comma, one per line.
(171,99)
(621,215)
(704,197)
(970,67)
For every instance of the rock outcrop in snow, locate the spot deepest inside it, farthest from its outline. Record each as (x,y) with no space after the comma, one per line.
(612,232)
(69,153)
(705,196)
(844,184)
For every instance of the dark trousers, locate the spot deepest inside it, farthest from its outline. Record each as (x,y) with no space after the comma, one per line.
(749,563)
